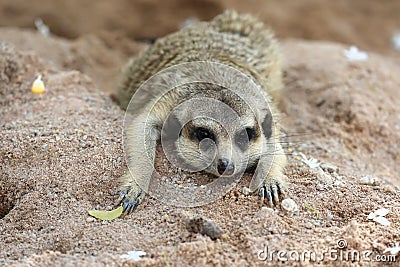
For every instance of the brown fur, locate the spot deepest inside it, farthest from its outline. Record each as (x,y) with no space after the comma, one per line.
(239,41)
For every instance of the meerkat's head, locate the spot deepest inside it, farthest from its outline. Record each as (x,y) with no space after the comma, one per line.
(220,133)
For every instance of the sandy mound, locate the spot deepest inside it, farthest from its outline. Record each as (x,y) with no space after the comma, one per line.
(367,24)
(352,108)
(61,155)
(100,56)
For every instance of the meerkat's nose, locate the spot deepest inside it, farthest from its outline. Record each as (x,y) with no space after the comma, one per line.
(225,167)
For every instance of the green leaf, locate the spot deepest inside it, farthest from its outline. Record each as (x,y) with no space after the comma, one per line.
(106,215)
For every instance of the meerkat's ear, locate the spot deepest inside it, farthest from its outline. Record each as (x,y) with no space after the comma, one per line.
(172,128)
(266,125)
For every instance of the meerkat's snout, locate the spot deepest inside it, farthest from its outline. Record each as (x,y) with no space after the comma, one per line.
(225,167)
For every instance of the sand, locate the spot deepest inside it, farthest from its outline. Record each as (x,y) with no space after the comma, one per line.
(61,154)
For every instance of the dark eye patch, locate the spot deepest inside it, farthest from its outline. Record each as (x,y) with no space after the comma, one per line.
(251,133)
(172,128)
(266,125)
(202,133)
(244,137)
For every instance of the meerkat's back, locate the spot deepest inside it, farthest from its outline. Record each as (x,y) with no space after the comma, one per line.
(240,41)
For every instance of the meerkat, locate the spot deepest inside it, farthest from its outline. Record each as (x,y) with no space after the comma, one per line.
(241,42)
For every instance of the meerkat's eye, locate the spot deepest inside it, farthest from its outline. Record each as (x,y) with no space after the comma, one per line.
(244,137)
(251,133)
(203,133)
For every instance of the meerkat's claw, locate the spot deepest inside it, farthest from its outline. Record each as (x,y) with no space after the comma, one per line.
(129,205)
(128,202)
(281,189)
(272,192)
(261,193)
(120,198)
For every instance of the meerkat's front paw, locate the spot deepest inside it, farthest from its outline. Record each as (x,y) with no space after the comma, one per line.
(131,195)
(272,190)
(130,200)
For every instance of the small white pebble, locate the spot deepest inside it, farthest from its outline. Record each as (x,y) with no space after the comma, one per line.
(353,54)
(382,212)
(267,210)
(382,220)
(396,41)
(366,180)
(379,212)
(246,191)
(90,219)
(394,250)
(289,205)
(339,183)
(371,216)
(324,177)
(133,255)
(311,162)
(188,22)
(42,27)
(329,167)
(309,225)
(378,216)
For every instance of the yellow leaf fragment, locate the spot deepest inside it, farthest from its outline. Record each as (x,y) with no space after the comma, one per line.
(165,217)
(106,215)
(38,86)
